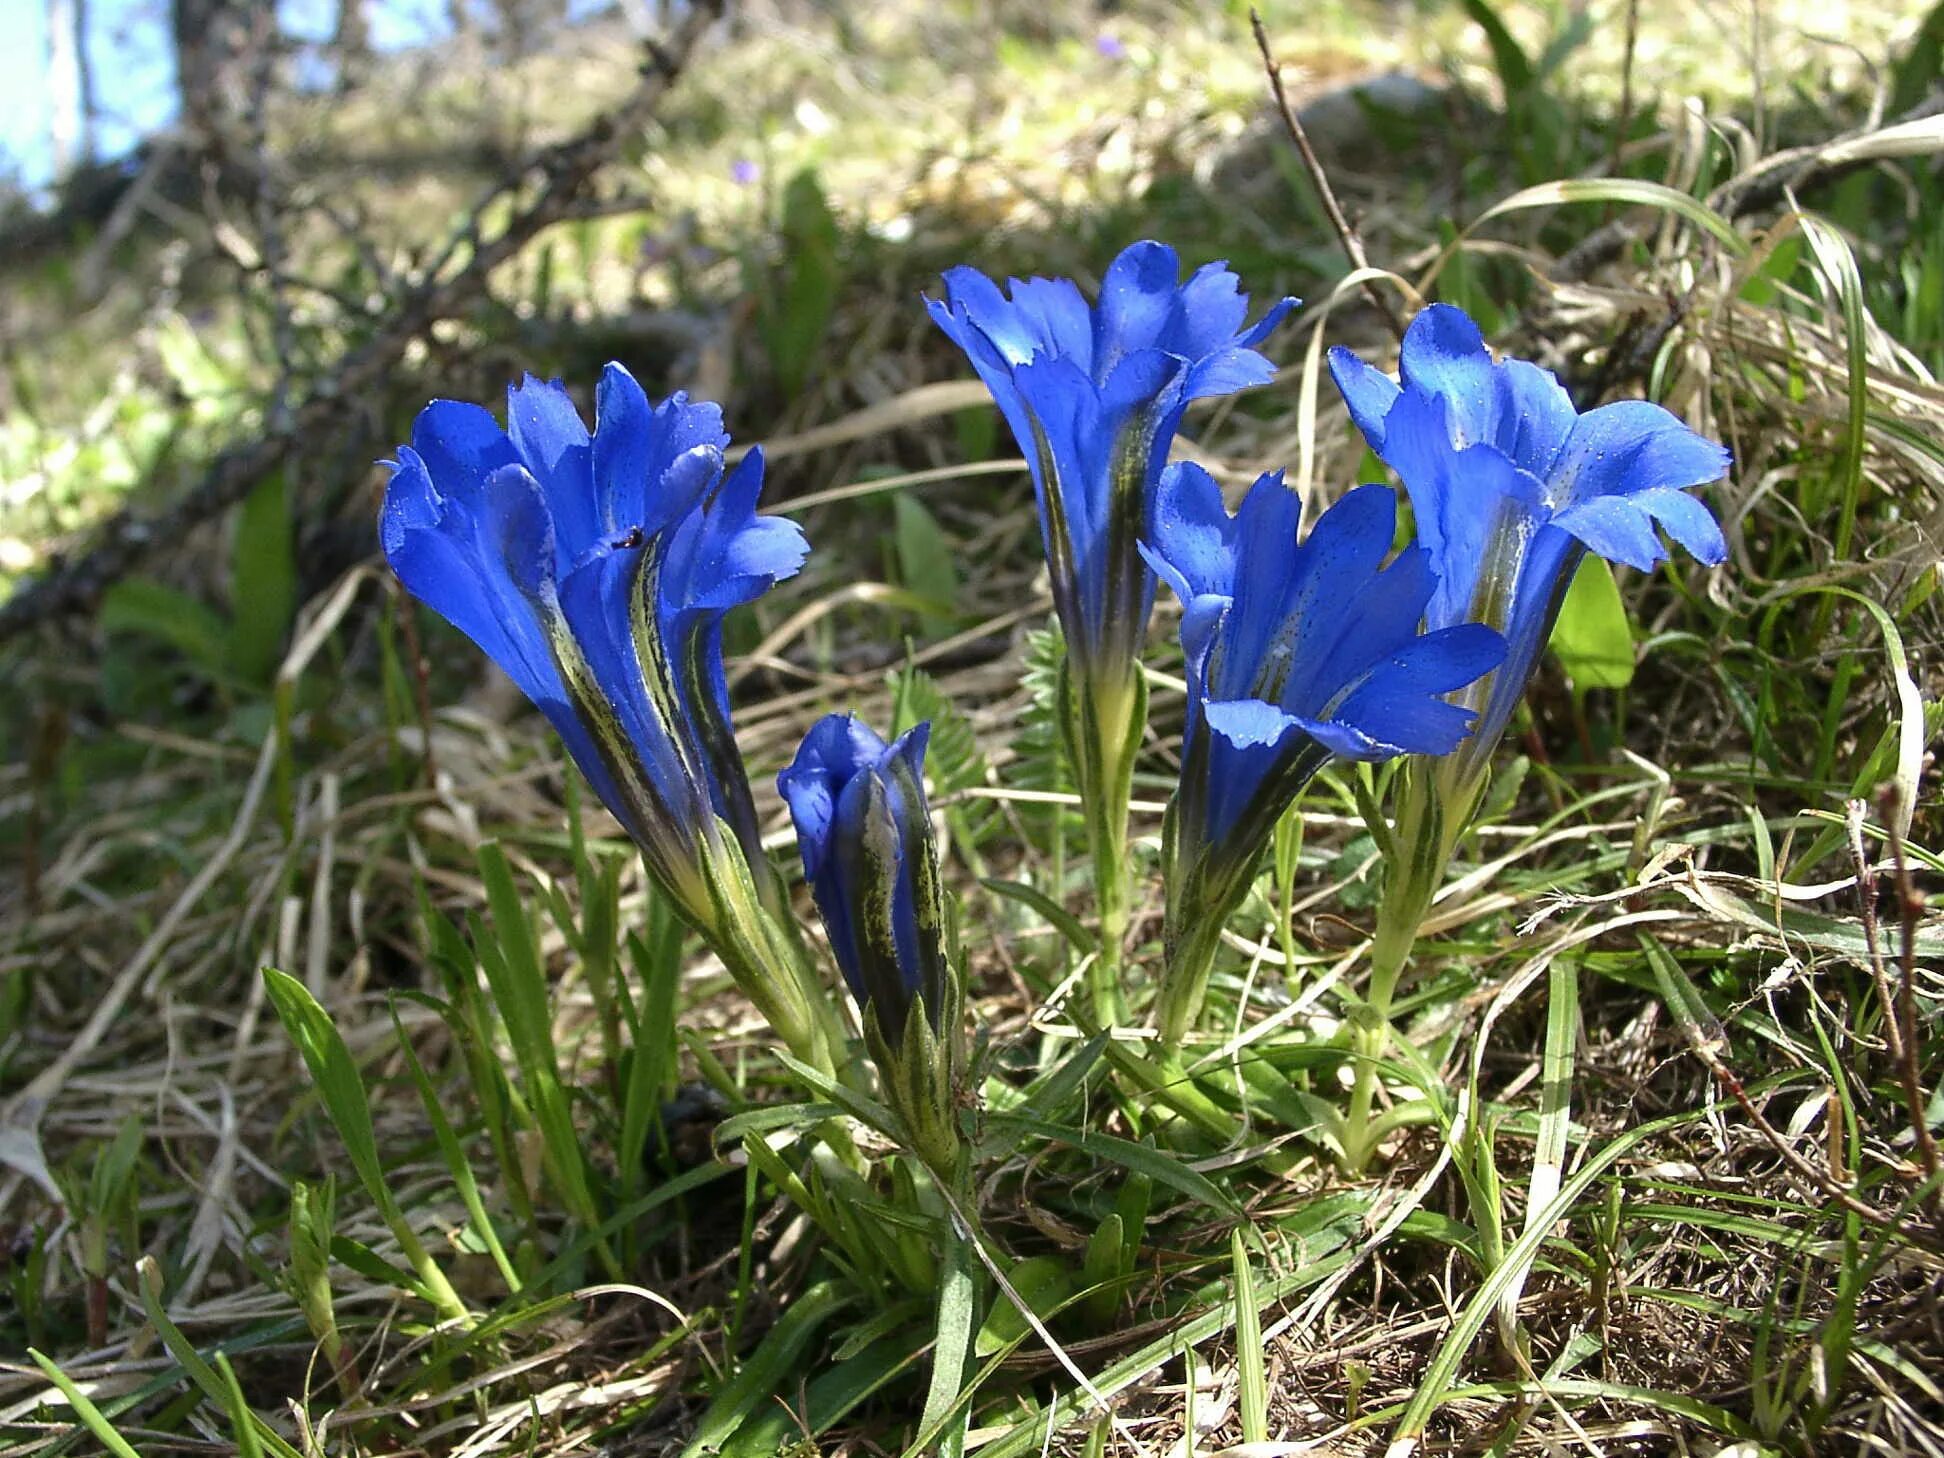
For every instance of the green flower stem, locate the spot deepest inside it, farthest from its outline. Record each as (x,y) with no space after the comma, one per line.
(1103,721)
(1433,804)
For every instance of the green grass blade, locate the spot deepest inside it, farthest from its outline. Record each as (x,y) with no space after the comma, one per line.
(335,1073)
(771,1369)
(148,1279)
(1555,1116)
(958,1319)
(511,960)
(1625,191)
(1253,1380)
(1433,1388)
(91,1416)
(1162,1168)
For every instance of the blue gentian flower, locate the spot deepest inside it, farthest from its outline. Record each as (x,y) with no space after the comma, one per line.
(1094,396)
(596,569)
(1297,653)
(1511,486)
(864,831)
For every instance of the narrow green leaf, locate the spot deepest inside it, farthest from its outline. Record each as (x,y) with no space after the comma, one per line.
(1030,1435)
(1434,1387)
(1056,915)
(1044,1282)
(149,1283)
(1626,191)
(91,1416)
(335,1074)
(510,958)
(1508,56)
(827,1399)
(243,1422)
(1162,1168)
(957,1318)
(771,1371)
(152,610)
(1253,1402)
(1555,1115)
(926,564)
(263,580)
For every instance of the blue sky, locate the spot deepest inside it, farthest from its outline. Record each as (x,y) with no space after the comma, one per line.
(128,42)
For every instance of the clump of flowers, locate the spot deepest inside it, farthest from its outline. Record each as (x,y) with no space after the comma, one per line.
(1094,395)
(596,569)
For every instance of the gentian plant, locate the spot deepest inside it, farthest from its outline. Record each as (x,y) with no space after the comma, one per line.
(1511,487)
(1094,395)
(596,569)
(1297,653)
(864,831)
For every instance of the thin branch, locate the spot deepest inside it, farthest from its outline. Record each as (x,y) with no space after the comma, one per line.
(442,291)
(1353,248)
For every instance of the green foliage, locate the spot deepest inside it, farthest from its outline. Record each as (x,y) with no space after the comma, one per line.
(925,562)
(1591,638)
(240,651)
(797,295)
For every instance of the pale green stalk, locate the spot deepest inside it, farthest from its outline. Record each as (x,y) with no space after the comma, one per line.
(1103,723)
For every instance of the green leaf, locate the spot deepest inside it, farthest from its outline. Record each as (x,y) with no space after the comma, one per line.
(800,297)
(149,1283)
(1163,1169)
(1592,637)
(151,609)
(827,1398)
(958,1314)
(1915,74)
(1624,191)
(1253,1400)
(335,1073)
(263,581)
(925,562)
(1057,916)
(1508,57)
(770,1372)
(1043,1282)
(90,1415)
(510,958)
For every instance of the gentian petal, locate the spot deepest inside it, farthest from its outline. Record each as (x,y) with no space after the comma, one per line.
(1368,391)
(1193,522)
(1443,354)
(546,430)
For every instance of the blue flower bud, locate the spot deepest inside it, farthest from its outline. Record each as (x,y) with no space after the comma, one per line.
(865,835)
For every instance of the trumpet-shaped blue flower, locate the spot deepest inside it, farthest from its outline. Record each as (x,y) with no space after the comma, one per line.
(596,569)
(1094,395)
(1511,486)
(864,831)
(1296,652)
